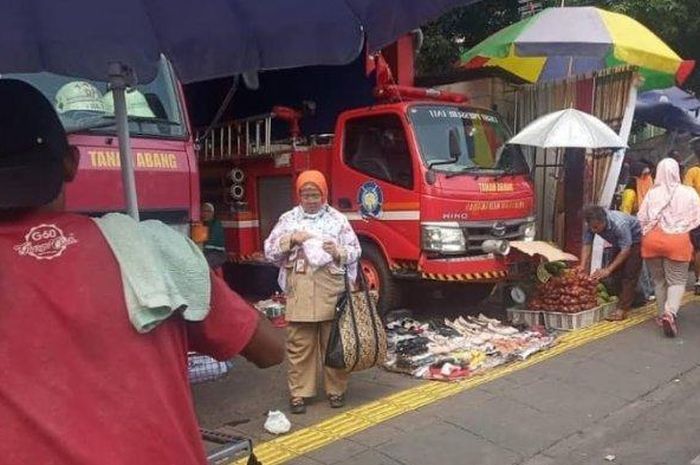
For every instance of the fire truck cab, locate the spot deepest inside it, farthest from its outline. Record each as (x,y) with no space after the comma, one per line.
(164,159)
(427,181)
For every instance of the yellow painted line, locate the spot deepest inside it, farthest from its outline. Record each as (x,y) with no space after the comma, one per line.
(353,421)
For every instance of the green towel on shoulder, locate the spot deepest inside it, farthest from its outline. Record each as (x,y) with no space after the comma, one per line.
(163,272)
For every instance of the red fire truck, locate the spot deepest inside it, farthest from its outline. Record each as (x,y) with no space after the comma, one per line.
(426,180)
(164,159)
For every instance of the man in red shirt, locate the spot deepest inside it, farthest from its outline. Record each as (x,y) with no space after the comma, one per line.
(79,385)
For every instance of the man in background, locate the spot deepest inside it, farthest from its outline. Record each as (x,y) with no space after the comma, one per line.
(215,246)
(80,385)
(692,179)
(624,233)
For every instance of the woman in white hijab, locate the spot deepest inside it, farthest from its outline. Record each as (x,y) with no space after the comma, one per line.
(668,213)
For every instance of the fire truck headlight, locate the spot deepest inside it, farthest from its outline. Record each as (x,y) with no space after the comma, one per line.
(528,230)
(445,238)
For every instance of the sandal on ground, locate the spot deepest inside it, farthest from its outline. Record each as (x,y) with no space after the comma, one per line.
(617,315)
(336,400)
(669,325)
(297,405)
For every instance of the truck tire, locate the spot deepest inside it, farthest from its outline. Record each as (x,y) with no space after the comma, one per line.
(379,278)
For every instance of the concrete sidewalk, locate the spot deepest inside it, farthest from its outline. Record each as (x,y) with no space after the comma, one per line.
(238,404)
(634,395)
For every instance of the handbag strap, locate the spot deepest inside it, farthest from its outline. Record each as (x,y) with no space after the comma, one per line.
(349,303)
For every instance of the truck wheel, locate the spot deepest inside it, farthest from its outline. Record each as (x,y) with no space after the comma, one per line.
(379,278)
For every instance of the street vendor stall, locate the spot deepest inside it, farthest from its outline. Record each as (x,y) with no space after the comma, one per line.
(562,297)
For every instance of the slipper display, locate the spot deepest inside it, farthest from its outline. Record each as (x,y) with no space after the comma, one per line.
(450,350)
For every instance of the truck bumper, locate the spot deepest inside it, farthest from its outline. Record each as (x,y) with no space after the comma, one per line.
(483,268)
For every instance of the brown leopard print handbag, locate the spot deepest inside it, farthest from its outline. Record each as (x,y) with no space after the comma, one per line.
(357,340)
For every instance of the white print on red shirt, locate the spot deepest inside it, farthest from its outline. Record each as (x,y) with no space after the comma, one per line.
(45,242)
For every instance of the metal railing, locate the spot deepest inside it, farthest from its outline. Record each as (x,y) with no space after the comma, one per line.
(240,138)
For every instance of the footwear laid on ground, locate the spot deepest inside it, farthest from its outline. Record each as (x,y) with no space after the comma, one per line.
(336,401)
(670,325)
(617,315)
(297,405)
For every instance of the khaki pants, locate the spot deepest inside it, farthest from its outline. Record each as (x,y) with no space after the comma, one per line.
(306,348)
(670,278)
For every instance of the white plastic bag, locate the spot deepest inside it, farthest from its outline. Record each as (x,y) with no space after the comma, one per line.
(277,423)
(313,250)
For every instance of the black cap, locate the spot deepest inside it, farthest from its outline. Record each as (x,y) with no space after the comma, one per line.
(32,146)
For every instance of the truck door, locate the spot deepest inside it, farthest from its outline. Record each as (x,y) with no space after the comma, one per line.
(375,184)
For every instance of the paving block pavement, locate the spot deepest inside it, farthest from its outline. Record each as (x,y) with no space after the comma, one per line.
(633,395)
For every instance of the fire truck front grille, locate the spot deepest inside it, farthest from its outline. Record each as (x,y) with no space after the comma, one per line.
(477,233)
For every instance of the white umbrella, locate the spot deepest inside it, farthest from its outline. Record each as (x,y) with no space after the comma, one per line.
(568,129)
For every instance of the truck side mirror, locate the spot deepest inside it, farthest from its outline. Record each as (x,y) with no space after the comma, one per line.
(455,149)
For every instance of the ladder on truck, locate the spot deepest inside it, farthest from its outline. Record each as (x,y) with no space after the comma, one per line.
(247,137)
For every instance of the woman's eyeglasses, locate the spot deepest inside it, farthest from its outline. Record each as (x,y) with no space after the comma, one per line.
(310,196)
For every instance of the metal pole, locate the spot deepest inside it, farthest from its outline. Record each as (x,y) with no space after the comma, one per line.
(614,171)
(121,77)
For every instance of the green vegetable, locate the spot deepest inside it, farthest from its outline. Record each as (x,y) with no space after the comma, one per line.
(555,268)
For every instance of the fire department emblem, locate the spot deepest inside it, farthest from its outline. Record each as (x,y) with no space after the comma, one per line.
(45,242)
(370,198)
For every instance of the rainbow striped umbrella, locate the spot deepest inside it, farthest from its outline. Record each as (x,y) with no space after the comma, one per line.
(561,42)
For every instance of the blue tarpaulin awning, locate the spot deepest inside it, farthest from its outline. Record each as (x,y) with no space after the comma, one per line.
(669,109)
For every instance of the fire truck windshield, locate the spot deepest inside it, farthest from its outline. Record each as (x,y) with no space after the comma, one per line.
(482,140)
(87,106)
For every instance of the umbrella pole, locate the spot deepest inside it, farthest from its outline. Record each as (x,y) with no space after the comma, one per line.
(120,77)
(614,169)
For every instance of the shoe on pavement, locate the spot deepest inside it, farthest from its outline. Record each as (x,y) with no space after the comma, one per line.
(669,324)
(297,405)
(336,400)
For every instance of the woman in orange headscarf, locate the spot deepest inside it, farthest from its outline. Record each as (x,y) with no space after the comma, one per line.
(313,244)
(639,185)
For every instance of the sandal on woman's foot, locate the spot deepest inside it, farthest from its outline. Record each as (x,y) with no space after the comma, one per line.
(297,405)
(617,315)
(669,324)
(336,400)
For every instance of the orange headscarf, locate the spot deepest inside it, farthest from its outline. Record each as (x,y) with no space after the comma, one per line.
(313,177)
